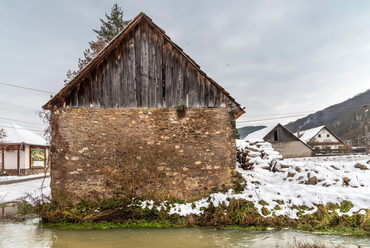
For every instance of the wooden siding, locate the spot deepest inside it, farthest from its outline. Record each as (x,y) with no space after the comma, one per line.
(280,134)
(146,70)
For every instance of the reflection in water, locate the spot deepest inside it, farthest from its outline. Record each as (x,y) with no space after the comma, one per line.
(29,235)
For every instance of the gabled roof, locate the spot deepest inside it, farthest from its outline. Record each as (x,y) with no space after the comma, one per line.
(260,134)
(84,73)
(307,135)
(16,134)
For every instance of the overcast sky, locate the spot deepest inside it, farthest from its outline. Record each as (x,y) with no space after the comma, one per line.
(276,58)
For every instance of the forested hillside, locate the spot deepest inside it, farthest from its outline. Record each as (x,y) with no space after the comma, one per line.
(345,119)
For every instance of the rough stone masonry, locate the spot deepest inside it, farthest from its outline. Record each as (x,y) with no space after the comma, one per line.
(143,152)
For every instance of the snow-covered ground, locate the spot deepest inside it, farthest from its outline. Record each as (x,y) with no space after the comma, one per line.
(280,183)
(300,181)
(16,191)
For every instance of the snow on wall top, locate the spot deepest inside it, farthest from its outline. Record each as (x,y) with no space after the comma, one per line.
(307,135)
(260,134)
(16,134)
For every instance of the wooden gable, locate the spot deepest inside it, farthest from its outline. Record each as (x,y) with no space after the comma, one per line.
(142,67)
(280,134)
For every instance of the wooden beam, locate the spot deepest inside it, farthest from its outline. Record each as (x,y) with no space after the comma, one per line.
(18,160)
(2,159)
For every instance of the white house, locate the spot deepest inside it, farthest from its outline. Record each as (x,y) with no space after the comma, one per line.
(22,152)
(320,138)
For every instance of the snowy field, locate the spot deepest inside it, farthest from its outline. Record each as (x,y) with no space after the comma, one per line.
(280,183)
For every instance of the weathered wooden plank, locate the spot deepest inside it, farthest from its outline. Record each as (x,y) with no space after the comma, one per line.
(193,87)
(217,98)
(96,87)
(175,101)
(212,90)
(91,93)
(201,93)
(100,80)
(164,72)
(78,95)
(86,95)
(125,74)
(138,54)
(169,76)
(186,83)
(107,85)
(68,100)
(144,64)
(207,93)
(74,101)
(158,42)
(152,87)
(180,80)
(115,77)
(131,72)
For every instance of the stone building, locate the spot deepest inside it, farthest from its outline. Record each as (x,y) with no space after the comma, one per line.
(142,119)
(283,141)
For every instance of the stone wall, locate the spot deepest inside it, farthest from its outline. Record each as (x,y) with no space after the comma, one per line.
(141,152)
(292,149)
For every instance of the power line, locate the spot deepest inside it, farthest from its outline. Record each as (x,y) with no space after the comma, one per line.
(298,115)
(34,130)
(31,123)
(14,105)
(27,88)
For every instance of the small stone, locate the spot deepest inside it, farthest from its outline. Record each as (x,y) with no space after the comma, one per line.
(361,167)
(335,168)
(346,181)
(290,174)
(311,181)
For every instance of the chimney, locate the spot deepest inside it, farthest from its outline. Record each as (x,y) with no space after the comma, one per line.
(298,133)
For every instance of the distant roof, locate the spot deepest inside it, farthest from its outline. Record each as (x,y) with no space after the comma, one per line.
(307,135)
(260,134)
(16,134)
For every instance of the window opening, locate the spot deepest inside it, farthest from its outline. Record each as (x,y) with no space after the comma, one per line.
(275,136)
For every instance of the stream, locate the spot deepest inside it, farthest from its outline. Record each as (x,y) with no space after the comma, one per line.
(29,234)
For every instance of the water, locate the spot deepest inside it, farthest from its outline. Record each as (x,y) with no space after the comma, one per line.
(29,235)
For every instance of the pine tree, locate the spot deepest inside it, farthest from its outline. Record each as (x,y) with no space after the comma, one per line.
(108,30)
(114,24)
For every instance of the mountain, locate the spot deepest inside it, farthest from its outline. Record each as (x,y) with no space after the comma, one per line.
(244,131)
(345,119)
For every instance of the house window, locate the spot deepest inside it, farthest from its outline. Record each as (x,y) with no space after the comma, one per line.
(275,136)
(327,136)
(37,157)
(319,135)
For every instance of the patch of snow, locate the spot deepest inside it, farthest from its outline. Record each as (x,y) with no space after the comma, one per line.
(16,134)
(16,191)
(260,134)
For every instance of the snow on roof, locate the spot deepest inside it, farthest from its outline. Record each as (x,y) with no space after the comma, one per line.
(16,134)
(307,135)
(260,134)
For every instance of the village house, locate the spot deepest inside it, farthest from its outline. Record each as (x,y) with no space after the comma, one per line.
(22,152)
(142,119)
(282,140)
(321,138)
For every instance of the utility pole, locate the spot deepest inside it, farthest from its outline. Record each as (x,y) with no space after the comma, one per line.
(366,140)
